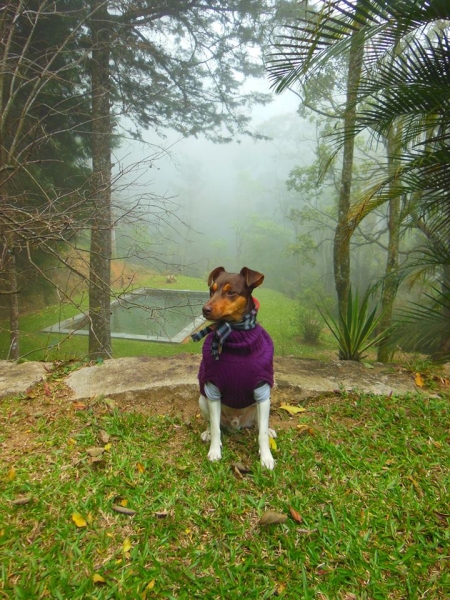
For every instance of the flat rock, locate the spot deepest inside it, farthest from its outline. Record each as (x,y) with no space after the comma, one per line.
(17,378)
(145,376)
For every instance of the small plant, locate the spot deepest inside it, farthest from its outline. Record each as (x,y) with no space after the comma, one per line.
(355,332)
(307,318)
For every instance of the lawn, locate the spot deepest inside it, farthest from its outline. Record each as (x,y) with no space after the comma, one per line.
(276,315)
(367,480)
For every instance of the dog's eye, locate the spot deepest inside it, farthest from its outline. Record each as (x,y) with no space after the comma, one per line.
(231,293)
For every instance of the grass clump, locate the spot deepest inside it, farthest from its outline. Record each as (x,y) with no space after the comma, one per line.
(368,476)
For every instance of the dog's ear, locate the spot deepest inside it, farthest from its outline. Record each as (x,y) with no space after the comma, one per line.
(252,278)
(214,274)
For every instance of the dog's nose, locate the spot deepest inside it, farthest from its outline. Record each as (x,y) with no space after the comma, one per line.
(207,311)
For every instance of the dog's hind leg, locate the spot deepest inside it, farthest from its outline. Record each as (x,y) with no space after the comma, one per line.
(204,409)
(262,398)
(211,408)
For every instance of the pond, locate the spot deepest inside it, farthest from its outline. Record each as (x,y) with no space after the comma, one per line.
(147,314)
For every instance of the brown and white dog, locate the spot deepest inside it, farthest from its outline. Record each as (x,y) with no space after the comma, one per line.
(236,371)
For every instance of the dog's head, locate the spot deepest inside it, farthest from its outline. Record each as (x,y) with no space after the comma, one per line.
(231,294)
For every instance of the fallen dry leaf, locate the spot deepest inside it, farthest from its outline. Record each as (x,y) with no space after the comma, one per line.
(148,588)
(79,406)
(271,517)
(295,515)
(292,410)
(21,500)
(272,443)
(123,510)
(161,514)
(110,403)
(418,380)
(103,436)
(140,467)
(126,546)
(95,451)
(96,578)
(79,520)
(10,475)
(241,468)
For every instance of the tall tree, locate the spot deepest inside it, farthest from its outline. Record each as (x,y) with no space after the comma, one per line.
(298,59)
(100,251)
(171,65)
(42,123)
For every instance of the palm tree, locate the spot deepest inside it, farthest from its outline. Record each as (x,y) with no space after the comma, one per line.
(404,86)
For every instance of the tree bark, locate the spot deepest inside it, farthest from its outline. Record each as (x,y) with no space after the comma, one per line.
(390,285)
(341,246)
(100,251)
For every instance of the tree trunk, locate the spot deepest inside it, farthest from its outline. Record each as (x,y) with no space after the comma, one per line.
(341,247)
(13,297)
(390,285)
(100,251)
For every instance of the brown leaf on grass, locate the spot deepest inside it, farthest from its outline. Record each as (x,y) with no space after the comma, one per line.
(415,484)
(161,514)
(21,500)
(140,467)
(98,579)
(110,403)
(95,451)
(295,515)
(241,468)
(103,436)
(444,517)
(79,406)
(292,410)
(47,390)
(123,510)
(271,517)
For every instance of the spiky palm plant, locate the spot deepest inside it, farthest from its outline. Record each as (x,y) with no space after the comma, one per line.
(355,331)
(406,76)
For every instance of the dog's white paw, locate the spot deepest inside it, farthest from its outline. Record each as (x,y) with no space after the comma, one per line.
(206,436)
(215,453)
(267,461)
(272,433)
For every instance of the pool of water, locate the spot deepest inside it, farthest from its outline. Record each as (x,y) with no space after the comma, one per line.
(147,314)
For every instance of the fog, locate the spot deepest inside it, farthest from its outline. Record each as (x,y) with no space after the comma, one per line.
(222,198)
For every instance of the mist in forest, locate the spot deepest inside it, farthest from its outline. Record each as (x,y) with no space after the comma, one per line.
(226,203)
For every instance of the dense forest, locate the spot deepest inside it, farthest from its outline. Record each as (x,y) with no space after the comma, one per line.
(345,198)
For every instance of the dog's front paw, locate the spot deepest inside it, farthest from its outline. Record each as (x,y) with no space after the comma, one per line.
(215,453)
(206,436)
(272,433)
(267,461)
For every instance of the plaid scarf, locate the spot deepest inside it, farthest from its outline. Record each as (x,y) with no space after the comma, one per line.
(222,330)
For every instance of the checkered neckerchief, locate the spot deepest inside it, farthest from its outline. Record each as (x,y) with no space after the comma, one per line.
(222,330)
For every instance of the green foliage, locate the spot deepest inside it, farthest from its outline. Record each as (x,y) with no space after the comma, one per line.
(425,326)
(307,317)
(355,331)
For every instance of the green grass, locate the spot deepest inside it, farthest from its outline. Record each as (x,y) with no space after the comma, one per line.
(370,479)
(276,315)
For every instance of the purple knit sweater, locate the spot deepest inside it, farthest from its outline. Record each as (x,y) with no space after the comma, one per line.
(246,360)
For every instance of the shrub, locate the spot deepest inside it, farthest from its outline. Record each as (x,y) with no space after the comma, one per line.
(355,332)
